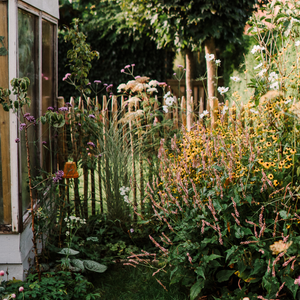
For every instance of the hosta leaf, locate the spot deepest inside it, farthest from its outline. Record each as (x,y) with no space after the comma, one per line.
(94,266)
(68,251)
(78,263)
(93,239)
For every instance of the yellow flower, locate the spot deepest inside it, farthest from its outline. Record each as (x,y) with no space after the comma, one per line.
(279,247)
(267,165)
(275,182)
(293,151)
(270,176)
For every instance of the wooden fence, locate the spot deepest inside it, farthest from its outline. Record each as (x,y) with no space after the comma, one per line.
(107,112)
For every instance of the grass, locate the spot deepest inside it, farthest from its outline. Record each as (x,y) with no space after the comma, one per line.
(127,283)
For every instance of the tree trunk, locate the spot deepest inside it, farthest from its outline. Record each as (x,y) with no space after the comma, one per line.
(210,48)
(188,73)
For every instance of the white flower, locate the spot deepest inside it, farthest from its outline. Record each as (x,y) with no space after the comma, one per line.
(126,199)
(72,218)
(153,83)
(254,111)
(224,109)
(297,43)
(235,78)
(167,94)
(257,48)
(222,89)
(218,61)
(274,86)
(67,233)
(205,113)
(210,57)
(165,108)
(127,189)
(151,90)
(258,66)
(273,76)
(121,87)
(287,101)
(169,101)
(262,72)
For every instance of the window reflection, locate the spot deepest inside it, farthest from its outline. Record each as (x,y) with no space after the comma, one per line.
(28,67)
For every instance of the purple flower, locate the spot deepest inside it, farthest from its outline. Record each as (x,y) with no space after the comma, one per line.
(122,71)
(69,104)
(179,66)
(26,115)
(50,108)
(90,116)
(132,65)
(131,230)
(97,81)
(29,118)
(105,84)
(79,124)
(127,67)
(22,126)
(58,176)
(44,142)
(136,77)
(63,108)
(109,87)
(17,140)
(89,83)
(174,74)
(91,144)
(66,76)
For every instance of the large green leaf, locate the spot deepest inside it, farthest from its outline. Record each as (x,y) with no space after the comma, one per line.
(68,251)
(94,266)
(78,263)
(196,289)
(224,275)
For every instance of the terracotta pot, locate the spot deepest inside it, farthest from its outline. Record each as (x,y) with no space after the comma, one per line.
(70,170)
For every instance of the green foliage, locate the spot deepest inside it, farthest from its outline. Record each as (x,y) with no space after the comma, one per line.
(53,286)
(80,57)
(187,24)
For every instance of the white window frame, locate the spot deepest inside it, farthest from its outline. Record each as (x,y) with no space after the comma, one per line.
(18,218)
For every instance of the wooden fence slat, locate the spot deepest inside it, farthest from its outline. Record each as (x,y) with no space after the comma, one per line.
(189,113)
(183,111)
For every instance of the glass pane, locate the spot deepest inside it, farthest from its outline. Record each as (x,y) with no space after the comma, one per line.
(47,83)
(28,67)
(5,193)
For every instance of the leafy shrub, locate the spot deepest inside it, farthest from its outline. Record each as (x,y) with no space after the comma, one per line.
(61,285)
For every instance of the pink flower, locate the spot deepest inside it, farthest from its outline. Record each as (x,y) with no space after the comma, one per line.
(2,273)
(297,281)
(21,289)
(13,295)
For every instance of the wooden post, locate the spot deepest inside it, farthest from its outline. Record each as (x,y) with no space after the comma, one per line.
(214,104)
(97,106)
(175,114)
(189,114)
(133,163)
(5,207)
(201,101)
(183,111)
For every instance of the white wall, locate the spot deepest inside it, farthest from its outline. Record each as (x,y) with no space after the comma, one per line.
(49,6)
